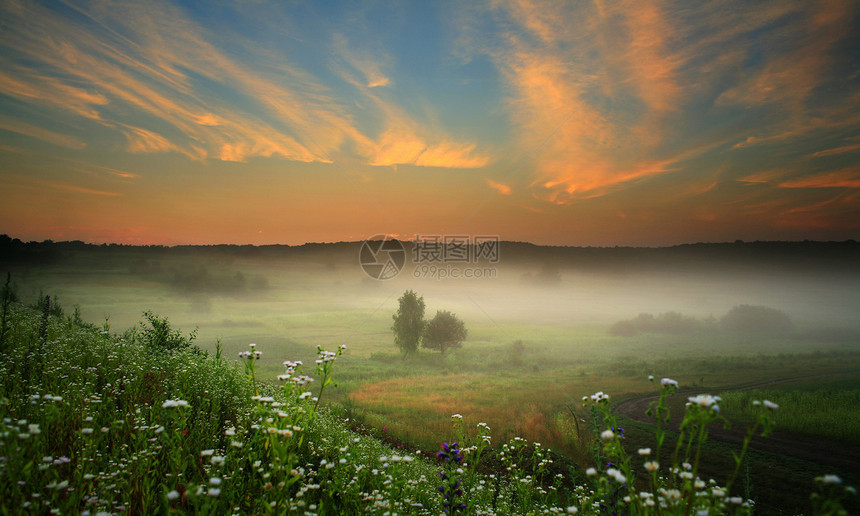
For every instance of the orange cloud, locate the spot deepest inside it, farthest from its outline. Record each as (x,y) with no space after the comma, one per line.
(62,140)
(144,141)
(451,155)
(499,187)
(845,178)
(837,150)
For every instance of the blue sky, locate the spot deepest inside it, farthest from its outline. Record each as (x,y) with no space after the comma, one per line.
(587,123)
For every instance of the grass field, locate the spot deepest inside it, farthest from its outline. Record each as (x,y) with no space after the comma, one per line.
(826,408)
(567,351)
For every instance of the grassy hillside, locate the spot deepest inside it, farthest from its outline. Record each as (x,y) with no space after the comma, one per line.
(145,422)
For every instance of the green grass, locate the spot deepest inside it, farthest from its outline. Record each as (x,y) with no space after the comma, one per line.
(89,422)
(829,413)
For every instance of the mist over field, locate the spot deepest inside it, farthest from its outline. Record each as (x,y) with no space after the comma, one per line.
(546,326)
(319,293)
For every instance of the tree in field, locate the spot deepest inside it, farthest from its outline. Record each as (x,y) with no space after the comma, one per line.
(409,322)
(445,331)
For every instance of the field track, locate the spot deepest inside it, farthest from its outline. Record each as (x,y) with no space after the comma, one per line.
(812,449)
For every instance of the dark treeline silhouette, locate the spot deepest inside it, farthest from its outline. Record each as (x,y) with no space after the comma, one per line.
(806,256)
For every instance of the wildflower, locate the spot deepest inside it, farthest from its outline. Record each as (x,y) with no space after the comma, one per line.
(705,401)
(591,472)
(456,416)
(770,405)
(173,495)
(33,429)
(607,435)
(213,492)
(215,481)
(652,465)
(617,475)
(737,500)
(829,479)
(668,382)
(572,510)
(174,403)
(673,494)
(644,451)
(599,397)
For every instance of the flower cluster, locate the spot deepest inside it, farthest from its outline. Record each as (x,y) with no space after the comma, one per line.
(451,489)
(253,353)
(705,401)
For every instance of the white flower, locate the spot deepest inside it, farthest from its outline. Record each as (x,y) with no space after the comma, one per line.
(174,403)
(705,401)
(215,481)
(591,472)
(644,451)
(617,475)
(599,396)
(607,435)
(652,465)
(173,495)
(771,405)
(830,479)
(668,382)
(572,510)
(214,492)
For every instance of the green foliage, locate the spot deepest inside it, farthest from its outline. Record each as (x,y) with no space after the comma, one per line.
(445,331)
(830,414)
(159,336)
(9,296)
(408,322)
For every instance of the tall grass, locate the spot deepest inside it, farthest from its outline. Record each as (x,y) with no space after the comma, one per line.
(831,414)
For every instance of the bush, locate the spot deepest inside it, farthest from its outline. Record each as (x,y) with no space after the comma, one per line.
(159,336)
(757,319)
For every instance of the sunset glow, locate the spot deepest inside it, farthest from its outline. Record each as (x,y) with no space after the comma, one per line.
(596,123)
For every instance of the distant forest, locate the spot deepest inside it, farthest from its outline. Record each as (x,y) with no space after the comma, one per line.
(807,256)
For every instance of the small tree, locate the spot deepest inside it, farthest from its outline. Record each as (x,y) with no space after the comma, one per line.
(444,331)
(409,322)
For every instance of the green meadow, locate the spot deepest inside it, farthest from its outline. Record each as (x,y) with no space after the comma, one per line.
(533,352)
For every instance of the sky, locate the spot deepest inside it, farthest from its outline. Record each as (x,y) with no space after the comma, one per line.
(592,123)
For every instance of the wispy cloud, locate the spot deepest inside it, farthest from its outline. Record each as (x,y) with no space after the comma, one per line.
(837,150)
(499,187)
(644,81)
(845,178)
(17,126)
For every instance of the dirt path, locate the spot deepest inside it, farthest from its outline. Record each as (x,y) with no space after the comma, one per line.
(816,450)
